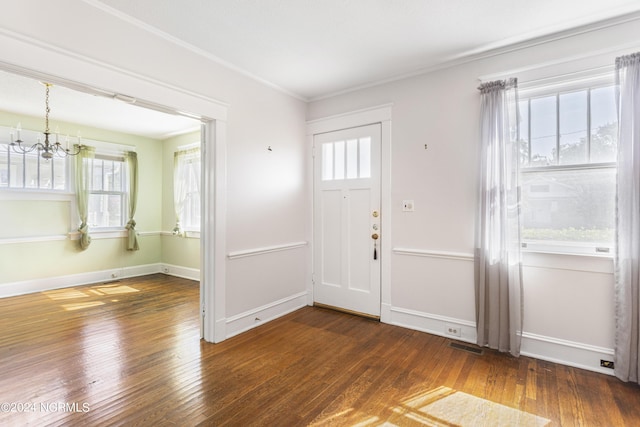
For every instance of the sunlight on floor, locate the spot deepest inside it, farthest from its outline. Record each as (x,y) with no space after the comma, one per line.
(95,291)
(115,289)
(439,407)
(445,406)
(68,293)
(81,305)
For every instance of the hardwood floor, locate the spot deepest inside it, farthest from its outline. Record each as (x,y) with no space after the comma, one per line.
(128,353)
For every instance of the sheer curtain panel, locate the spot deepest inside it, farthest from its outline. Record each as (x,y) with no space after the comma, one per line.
(627,288)
(83,169)
(498,267)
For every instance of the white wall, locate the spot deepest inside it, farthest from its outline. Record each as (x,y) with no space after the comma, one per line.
(73,40)
(568,299)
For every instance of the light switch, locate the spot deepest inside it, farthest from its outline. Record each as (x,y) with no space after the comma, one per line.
(407,206)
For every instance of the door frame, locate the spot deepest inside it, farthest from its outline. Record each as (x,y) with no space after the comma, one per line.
(86,75)
(379,114)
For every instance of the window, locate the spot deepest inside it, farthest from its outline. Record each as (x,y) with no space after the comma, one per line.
(30,171)
(568,152)
(348,159)
(186,188)
(108,195)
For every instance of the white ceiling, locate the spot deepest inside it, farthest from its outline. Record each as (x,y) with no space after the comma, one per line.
(313,48)
(26,96)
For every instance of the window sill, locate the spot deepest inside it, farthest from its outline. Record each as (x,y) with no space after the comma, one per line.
(589,263)
(569,248)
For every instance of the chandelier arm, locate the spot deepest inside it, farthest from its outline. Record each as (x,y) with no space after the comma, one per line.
(20,149)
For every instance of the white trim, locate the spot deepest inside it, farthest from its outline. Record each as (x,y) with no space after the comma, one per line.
(36,194)
(556,350)
(266,250)
(357,118)
(149,233)
(213,242)
(569,262)
(250,319)
(179,271)
(33,53)
(74,235)
(59,282)
(32,239)
(433,324)
(565,352)
(458,256)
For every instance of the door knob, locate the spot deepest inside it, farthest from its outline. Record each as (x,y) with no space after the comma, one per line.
(375,236)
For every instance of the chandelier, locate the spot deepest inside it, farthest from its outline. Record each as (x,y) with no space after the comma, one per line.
(47,148)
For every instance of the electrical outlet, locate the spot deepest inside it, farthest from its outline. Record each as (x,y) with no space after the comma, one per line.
(606,364)
(453,330)
(408,206)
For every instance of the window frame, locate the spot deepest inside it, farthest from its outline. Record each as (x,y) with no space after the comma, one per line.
(559,87)
(103,156)
(191,230)
(31,137)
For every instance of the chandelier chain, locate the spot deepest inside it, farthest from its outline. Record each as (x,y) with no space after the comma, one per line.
(47,109)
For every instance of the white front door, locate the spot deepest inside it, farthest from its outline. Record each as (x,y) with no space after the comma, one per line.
(347,234)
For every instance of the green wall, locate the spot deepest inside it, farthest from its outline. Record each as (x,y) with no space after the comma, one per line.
(27,217)
(180,251)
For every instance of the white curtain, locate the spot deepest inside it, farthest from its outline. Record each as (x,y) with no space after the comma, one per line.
(186,170)
(627,269)
(498,267)
(83,169)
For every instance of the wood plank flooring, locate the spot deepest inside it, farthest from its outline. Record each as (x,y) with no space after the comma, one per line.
(128,353)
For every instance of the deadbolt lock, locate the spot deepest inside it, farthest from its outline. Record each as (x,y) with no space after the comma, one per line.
(374,236)
(375,214)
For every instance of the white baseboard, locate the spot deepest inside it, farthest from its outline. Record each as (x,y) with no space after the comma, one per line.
(50,283)
(433,324)
(242,322)
(569,353)
(178,271)
(577,355)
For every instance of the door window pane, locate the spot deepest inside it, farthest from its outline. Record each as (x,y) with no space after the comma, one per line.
(365,157)
(327,161)
(352,158)
(339,160)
